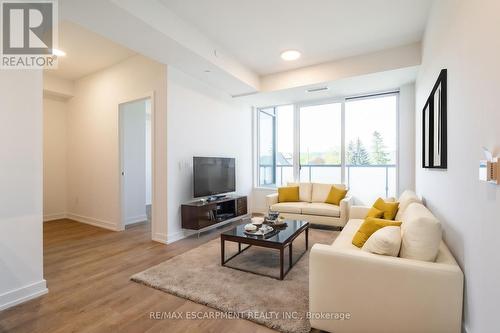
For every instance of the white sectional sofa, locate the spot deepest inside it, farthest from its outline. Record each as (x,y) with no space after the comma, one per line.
(384,294)
(312,206)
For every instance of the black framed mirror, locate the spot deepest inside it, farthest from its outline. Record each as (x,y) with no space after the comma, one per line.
(434,126)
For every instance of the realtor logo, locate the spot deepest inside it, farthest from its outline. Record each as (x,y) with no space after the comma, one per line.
(29,33)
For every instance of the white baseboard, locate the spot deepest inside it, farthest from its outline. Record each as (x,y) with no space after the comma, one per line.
(161,238)
(92,221)
(174,237)
(23,294)
(52,217)
(136,219)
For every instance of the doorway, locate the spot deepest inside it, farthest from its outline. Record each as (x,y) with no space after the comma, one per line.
(135,120)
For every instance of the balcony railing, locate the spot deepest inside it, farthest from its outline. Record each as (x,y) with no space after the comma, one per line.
(380,178)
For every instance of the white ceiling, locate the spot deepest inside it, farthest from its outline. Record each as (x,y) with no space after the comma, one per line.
(86,52)
(257,31)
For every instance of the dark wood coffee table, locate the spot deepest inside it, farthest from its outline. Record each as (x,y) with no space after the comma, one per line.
(278,239)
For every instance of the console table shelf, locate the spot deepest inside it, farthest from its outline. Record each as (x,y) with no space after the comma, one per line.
(199,214)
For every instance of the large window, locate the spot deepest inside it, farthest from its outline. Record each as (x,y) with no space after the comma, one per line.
(320,143)
(371,145)
(351,141)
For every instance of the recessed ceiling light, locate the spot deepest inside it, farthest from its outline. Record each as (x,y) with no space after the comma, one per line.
(290,55)
(58,53)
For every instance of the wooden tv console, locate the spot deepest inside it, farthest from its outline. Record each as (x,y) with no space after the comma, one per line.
(199,214)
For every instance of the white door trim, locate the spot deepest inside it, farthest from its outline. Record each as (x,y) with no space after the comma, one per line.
(151,96)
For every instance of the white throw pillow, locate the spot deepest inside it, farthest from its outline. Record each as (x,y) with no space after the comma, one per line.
(386,241)
(421,233)
(408,197)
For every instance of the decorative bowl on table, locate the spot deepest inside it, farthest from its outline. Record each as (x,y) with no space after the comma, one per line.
(250,227)
(257,221)
(259,231)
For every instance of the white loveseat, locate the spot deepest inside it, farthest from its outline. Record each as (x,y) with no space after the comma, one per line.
(382,293)
(312,206)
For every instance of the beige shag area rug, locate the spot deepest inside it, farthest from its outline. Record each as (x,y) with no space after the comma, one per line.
(198,276)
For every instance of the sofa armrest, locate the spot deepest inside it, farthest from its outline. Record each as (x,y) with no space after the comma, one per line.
(381,292)
(271,199)
(345,206)
(358,212)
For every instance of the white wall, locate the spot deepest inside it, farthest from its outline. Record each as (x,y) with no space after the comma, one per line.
(462,36)
(21,265)
(406,133)
(57,87)
(202,122)
(133,134)
(259,199)
(54,158)
(93,141)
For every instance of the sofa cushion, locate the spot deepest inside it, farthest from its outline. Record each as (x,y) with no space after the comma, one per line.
(421,233)
(288,207)
(320,191)
(288,194)
(305,191)
(385,241)
(344,239)
(369,227)
(322,209)
(405,200)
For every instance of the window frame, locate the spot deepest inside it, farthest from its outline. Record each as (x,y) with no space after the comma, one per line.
(259,110)
(297,108)
(296,133)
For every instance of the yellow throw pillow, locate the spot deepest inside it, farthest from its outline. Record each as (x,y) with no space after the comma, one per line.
(389,208)
(374,212)
(336,194)
(368,227)
(288,194)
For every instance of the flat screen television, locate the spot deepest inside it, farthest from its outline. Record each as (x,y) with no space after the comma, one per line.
(213,175)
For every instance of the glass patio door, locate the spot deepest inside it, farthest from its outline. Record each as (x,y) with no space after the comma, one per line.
(371,146)
(320,137)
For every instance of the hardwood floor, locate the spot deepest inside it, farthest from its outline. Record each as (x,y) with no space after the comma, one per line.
(87,271)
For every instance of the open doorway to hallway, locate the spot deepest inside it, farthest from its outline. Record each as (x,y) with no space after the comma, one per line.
(135,160)
(82,142)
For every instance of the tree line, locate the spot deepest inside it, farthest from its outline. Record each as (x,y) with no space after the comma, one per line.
(357,153)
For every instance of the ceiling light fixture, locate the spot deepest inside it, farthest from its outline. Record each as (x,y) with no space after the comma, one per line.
(58,53)
(290,55)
